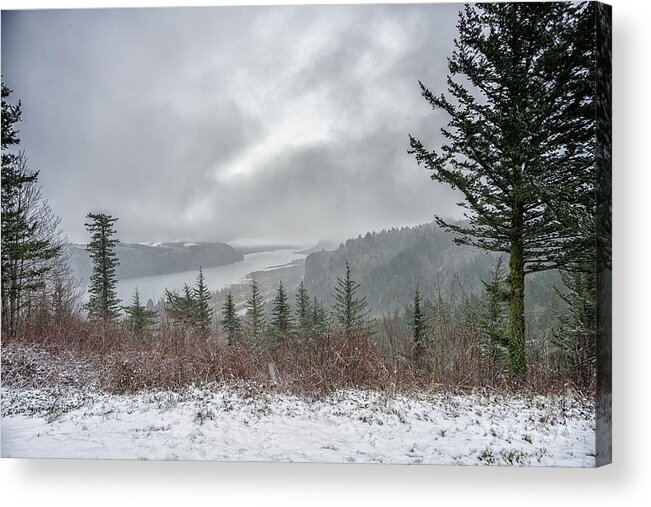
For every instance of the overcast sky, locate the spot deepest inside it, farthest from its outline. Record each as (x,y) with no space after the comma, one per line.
(240,123)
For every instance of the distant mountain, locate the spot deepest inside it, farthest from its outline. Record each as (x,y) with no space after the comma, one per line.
(138,260)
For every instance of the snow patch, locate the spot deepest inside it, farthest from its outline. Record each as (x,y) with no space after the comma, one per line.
(223,423)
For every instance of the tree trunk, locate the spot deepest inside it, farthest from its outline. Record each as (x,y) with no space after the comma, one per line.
(517,362)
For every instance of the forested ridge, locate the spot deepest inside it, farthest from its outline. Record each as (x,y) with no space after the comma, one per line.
(390,263)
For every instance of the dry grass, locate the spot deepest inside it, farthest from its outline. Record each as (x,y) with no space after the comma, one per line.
(171,357)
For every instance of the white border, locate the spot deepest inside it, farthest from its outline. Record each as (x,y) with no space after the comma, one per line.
(626,482)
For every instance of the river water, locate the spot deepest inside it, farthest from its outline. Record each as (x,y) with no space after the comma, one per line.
(216,278)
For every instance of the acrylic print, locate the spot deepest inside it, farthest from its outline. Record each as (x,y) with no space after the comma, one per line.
(342,234)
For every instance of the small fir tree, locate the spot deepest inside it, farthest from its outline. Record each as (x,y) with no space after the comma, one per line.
(418,326)
(180,307)
(303,310)
(202,313)
(139,318)
(350,310)
(256,319)
(494,318)
(319,321)
(230,321)
(281,317)
(576,335)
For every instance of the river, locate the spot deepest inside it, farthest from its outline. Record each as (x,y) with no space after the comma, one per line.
(216,278)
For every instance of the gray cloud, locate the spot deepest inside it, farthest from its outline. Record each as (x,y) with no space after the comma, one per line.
(278,123)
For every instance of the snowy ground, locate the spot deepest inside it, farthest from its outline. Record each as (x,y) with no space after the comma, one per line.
(54,407)
(224,423)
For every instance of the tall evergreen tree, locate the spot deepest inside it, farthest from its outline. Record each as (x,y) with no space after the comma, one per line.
(139,318)
(350,310)
(103,303)
(303,310)
(230,321)
(256,319)
(418,326)
(281,315)
(520,83)
(202,313)
(31,241)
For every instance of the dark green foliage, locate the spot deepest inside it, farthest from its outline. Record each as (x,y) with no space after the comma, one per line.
(604,136)
(303,308)
(281,316)
(350,310)
(139,318)
(103,303)
(256,320)
(202,313)
(191,308)
(31,242)
(521,86)
(230,321)
(11,115)
(418,326)
(180,307)
(319,321)
(494,319)
(576,335)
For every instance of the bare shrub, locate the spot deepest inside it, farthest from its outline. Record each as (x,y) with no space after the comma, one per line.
(171,357)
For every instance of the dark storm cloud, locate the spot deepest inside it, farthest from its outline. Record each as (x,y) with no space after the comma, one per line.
(283,123)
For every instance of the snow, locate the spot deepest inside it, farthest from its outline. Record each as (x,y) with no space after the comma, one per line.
(244,423)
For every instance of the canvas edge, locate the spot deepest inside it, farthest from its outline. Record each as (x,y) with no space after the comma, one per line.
(603,153)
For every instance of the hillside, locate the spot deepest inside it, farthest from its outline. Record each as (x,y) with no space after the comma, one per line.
(146,260)
(389,264)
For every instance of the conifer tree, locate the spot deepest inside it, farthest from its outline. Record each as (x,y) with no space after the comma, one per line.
(418,326)
(521,86)
(230,321)
(180,307)
(303,310)
(495,310)
(256,319)
(103,303)
(139,318)
(319,319)
(350,310)
(31,241)
(202,313)
(576,334)
(281,316)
